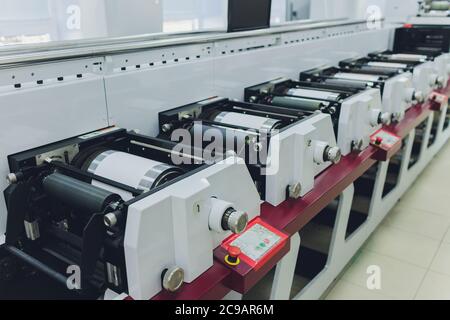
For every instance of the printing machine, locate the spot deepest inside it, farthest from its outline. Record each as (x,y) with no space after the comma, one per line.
(356,114)
(426,42)
(115,204)
(396,87)
(284,148)
(429,72)
(433,8)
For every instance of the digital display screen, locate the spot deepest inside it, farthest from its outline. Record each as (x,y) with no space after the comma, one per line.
(248,14)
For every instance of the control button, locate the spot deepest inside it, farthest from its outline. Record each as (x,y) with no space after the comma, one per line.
(378,141)
(232,258)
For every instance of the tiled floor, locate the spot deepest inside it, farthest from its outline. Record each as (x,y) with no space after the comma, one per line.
(412,246)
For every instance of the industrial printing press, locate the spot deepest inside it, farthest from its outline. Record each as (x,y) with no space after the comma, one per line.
(288,137)
(159,197)
(356,114)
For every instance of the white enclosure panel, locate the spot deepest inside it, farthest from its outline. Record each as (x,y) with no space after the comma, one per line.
(136,97)
(38,116)
(235,72)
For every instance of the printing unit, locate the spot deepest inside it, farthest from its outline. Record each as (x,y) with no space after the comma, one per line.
(298,144)
(396,87)
(356,114)
(114,203)
(434,9)
(429,72)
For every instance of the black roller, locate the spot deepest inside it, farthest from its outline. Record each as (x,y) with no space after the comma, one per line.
(78,194)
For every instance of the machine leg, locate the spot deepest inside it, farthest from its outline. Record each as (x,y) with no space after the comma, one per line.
(284,273)
(233,296)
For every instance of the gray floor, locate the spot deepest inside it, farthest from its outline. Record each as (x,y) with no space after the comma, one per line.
(411,247)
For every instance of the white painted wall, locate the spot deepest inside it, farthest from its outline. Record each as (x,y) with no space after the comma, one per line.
(392,10)
(132,17)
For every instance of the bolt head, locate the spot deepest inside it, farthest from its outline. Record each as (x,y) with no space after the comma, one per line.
(173,279)
(166,127)
(110,220)
(295,191)
(11,178)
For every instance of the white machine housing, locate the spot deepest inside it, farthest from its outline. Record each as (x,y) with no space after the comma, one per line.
(398,95)
(296,156)
(358,120)
(172,227)
(442,67)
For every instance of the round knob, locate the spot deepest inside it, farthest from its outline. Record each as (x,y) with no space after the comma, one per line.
(173,279)
(333,154)
(440,81)
(11,178)
(385,118)
(295,191)
(236,221)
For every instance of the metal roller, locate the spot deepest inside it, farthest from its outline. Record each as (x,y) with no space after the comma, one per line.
(349,83)
(298,103)
(407,57)
(314,94)
(78,194)
(440,5)
(136,172)
(248,121)
(391,65)
(380,70)
(357,76)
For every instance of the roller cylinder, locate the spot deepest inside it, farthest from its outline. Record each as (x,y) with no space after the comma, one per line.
(247,121)
(440,5)
(78,194)
(297,103)
(134,171)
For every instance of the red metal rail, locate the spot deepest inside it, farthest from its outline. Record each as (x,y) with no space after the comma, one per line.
(291,216)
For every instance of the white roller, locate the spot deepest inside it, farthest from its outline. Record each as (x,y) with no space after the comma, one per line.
(136,172)
(408,57)
(247,121)
(357,77)
(387,65)
(314,94)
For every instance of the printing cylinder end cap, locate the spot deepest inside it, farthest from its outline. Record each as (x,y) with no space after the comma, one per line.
(385,118)
(237,221)
(173,279)
(419,96)
(333,154)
